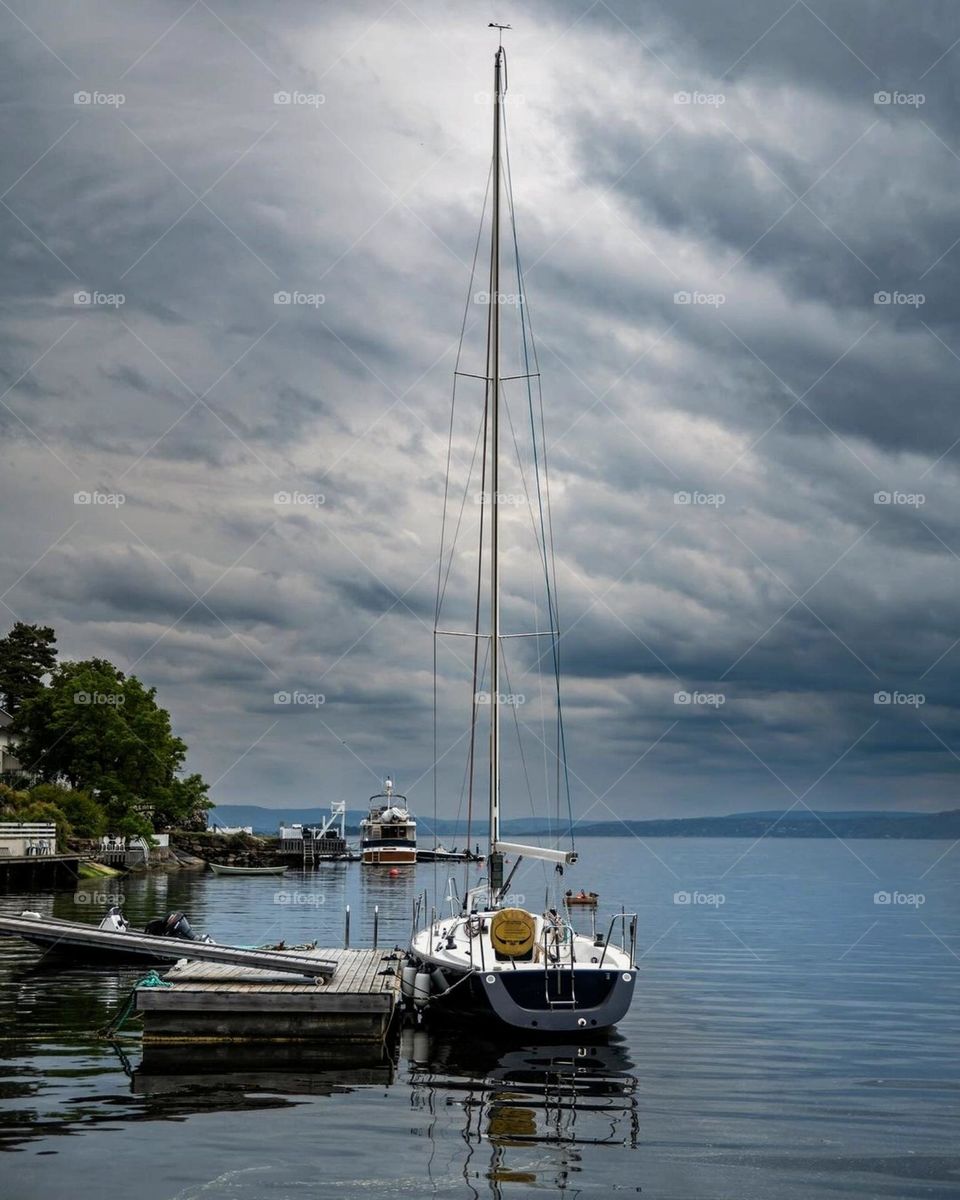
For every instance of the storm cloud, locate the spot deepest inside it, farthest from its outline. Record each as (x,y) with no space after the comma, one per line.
(237,243)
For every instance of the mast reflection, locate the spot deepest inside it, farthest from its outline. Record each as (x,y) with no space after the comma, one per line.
(526,1111)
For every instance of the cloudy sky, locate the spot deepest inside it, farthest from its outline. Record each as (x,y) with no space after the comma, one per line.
(791,170)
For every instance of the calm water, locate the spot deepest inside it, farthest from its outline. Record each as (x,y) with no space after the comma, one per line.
(790,1037)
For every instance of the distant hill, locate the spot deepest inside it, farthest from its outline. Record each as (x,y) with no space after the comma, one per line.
(805,814)
(796,823)
(267,820)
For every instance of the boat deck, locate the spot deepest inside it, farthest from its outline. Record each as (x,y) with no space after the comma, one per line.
(214,1002)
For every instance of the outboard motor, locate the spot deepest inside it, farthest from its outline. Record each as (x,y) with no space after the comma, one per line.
(179,927)
(174,925)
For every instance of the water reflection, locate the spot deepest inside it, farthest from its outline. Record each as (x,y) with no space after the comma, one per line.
(491,1115)
(49,1089)
(524,1111)
(392,896)
(292,1069)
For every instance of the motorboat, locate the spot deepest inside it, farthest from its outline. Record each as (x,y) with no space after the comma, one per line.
(57,938)
(388,834)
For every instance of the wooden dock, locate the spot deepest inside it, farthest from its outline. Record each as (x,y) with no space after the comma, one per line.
(220,1002)
(38,870)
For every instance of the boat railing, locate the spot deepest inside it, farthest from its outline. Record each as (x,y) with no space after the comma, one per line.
(557,937)
(558,954)
(453,897)
(419,912)
(623,917)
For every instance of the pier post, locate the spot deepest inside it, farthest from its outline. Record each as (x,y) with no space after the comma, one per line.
(346,928)
(376,924)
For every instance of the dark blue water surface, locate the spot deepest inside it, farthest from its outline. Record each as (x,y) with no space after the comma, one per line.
(795,1033)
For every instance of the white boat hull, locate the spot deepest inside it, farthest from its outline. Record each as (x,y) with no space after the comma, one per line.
(221,869)
(572,985)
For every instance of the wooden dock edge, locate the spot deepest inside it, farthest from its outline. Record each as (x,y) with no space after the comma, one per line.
(204,1005)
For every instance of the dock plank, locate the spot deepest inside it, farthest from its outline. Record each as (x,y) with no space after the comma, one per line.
(350,976)
(216,1002)
(357,972)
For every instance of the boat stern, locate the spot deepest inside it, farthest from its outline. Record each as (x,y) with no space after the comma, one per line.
(545,1002)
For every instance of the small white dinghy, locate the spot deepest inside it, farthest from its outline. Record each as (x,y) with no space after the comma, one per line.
(223,869)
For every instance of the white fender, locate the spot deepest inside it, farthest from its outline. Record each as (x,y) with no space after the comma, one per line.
(421,989)
(421,1046)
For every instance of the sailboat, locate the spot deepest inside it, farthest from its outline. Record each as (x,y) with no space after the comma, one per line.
(491,959)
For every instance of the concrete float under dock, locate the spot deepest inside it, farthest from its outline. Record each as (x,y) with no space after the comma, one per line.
(221,1002)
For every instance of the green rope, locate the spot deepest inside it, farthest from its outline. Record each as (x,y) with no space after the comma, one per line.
(150,980)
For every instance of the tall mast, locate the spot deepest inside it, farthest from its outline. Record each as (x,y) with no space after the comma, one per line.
(493,384)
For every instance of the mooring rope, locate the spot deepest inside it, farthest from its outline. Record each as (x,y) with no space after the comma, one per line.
(150,980)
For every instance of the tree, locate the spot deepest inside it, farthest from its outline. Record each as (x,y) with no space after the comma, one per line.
(10,801)
(186,807)
(27,653)
(103,732)
(86,817)
(24,806)
(40,810)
